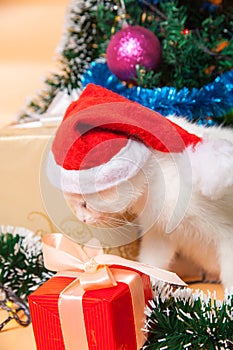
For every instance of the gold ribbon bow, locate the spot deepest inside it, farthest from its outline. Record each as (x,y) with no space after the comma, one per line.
(64,255)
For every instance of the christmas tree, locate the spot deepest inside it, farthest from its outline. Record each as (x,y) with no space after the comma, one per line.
(194,77)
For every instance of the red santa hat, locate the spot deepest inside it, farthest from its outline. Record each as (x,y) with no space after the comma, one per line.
(105,139)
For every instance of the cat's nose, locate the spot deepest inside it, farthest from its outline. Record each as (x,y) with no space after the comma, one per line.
(86,218)
(80,217)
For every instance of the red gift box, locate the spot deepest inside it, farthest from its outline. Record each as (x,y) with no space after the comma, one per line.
(110,319)
(96,302)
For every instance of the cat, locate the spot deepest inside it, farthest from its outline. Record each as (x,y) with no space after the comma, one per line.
(182,205)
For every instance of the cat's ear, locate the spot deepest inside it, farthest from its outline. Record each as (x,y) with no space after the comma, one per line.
(212,167)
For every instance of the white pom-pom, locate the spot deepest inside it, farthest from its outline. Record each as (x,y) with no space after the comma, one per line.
(212,167)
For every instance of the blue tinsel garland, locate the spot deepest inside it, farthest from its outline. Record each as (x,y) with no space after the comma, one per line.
(211,101)
(207,5)
(153,2)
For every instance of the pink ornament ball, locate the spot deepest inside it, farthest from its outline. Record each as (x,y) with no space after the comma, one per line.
(131,46)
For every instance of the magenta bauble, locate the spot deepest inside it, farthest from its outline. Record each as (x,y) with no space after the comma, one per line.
(131,46)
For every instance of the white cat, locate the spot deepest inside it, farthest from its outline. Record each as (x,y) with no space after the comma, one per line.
(183,204)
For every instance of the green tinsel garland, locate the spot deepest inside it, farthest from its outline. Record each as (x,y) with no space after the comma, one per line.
(180,319)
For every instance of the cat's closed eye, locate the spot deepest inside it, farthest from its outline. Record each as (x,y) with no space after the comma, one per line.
(83,204)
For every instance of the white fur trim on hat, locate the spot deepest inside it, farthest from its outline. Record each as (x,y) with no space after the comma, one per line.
(123,166)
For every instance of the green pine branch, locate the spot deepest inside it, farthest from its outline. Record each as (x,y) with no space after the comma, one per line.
(21,263)
(187,320)
(190,59)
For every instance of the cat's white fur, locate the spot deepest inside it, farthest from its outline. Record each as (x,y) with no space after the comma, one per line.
(183,203)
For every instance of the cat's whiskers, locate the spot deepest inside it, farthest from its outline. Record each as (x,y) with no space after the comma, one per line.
(129,219)
(117,231)
(113,221)
(121,220)
(132,224)
(118,227)
(113,228)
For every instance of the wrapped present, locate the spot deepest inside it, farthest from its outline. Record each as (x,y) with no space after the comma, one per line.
(95,302)
(21,150)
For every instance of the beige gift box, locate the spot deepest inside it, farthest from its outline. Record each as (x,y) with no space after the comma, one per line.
(21,150)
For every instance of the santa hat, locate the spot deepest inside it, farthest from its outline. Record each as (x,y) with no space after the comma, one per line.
(105,139)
